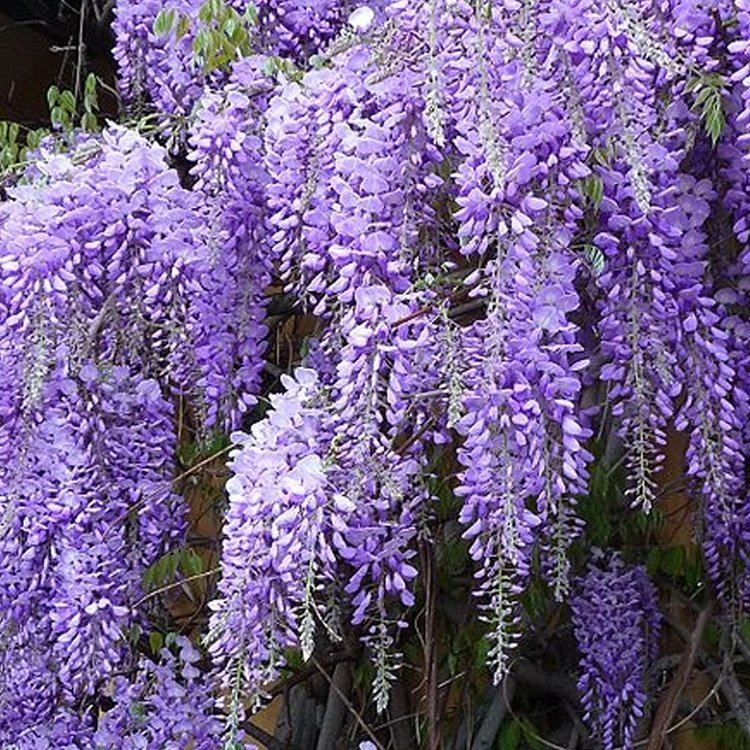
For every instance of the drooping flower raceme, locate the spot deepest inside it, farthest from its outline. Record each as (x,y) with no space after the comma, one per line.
(277,532)
(322,494)
(97,245)
(616,621)
(495,212)
(352,177)
(71,565)
(226,295)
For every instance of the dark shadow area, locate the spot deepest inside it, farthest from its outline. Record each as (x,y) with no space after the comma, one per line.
(52,42)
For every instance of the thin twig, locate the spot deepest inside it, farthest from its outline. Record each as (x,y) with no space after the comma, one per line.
(668,706)
(179,477)
(81,47)
(176,584)
(353,711)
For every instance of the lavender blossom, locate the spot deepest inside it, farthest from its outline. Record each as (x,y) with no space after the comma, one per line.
(616,622)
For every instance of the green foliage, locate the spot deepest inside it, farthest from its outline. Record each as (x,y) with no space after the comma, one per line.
(518,733)
(90,116)
(594,258)
(223,35)
(15,143)
(597,507)
(604,155)
(727,736)
(62,107)
(592,187)
(709,91)
(165,21)
(682,565)
(185,561)
(318,61)
(170,20)
(191,453)
(64,111)
(609,520)
(10,145)
(281,67)
(158,641)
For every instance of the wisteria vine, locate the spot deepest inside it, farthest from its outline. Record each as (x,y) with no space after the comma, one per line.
(500,222)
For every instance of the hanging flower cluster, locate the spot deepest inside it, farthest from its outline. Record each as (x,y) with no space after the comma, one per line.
(168,51)
(500,218)
(227,295)
(616,621)
(101,249)
(278,539)
(71,564)
(161,704)
(167,705)
(325,494)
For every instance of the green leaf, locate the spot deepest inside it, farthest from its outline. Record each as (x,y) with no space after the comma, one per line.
(593,189)
(183,26)
(201,41)
(318,61)
(251,14)
(164,22)
(192,563)
(53,94)
(231,26)
(271,65)
(595,258)
(90,85)
(155,641)
(509,737)
(89,122)
(68,101)
(33,139)
(57,116)
(709,91)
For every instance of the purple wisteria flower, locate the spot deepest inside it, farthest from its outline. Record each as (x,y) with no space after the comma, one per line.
(492,214)
(616,620)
